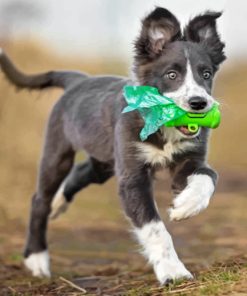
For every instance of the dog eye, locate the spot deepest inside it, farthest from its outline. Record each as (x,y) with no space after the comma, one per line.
(172,75)
(207,75)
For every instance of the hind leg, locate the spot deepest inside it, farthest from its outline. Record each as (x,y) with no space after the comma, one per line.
(90,171)
(56,163)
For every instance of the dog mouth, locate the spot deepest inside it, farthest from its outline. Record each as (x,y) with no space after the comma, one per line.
(186,132)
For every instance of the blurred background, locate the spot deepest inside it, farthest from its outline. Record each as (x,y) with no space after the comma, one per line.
(96,36)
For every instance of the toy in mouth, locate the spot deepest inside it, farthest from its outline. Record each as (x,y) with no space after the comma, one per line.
(158,110)
(188,130)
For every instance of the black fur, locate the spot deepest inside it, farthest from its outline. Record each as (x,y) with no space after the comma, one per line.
(202,29)
(91,171)
(148,49)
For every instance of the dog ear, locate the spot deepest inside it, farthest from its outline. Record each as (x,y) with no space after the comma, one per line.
(203,29)
(158,28)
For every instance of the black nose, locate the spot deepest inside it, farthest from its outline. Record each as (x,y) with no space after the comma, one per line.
(197,103)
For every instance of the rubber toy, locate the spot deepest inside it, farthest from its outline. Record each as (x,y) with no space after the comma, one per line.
(158,110)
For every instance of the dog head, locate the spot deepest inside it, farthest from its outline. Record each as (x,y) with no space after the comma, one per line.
(181,65)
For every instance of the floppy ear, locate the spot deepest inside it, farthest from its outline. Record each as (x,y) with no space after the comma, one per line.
(158,28)
(203,29)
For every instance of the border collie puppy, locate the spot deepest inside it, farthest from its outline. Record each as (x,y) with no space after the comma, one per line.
(88,117)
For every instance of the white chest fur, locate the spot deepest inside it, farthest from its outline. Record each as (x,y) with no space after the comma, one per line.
(155,156)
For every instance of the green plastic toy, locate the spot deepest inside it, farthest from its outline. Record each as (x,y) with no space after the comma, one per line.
(158,110)
(211,119)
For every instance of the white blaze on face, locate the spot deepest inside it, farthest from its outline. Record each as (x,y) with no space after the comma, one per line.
(190,88)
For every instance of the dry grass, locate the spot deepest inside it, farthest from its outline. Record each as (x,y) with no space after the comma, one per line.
(228,278)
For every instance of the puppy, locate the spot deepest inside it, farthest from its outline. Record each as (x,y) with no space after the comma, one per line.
(88,116)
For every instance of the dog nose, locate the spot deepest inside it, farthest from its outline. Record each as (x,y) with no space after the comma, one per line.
(197,103)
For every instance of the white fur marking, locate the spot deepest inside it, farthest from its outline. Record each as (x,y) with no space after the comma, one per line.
(39,264)
(159,250)
(190,88)
(156,34)
(205,33)
(59,203)
(194,198)
(153,155)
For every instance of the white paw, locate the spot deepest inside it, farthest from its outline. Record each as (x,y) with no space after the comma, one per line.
(39,264)
(158,248)
(59,203)
(170,269)
(193,199)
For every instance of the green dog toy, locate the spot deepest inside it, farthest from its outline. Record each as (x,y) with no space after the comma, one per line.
(157,110)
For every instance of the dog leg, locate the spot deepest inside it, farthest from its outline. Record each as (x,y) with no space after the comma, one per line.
(135,190)
(158,248)
(56,162)
(195,197)
(91,171)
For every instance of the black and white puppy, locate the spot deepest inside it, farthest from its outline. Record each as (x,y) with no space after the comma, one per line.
(88,116)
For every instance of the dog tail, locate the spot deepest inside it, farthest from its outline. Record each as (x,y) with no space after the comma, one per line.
(37,81)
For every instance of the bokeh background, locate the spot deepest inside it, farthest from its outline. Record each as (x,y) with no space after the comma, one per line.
(96,36)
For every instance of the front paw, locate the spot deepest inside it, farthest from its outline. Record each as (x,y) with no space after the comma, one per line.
(193,199)
(170,270)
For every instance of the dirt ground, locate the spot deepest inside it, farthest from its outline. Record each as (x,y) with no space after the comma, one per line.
(91,246)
